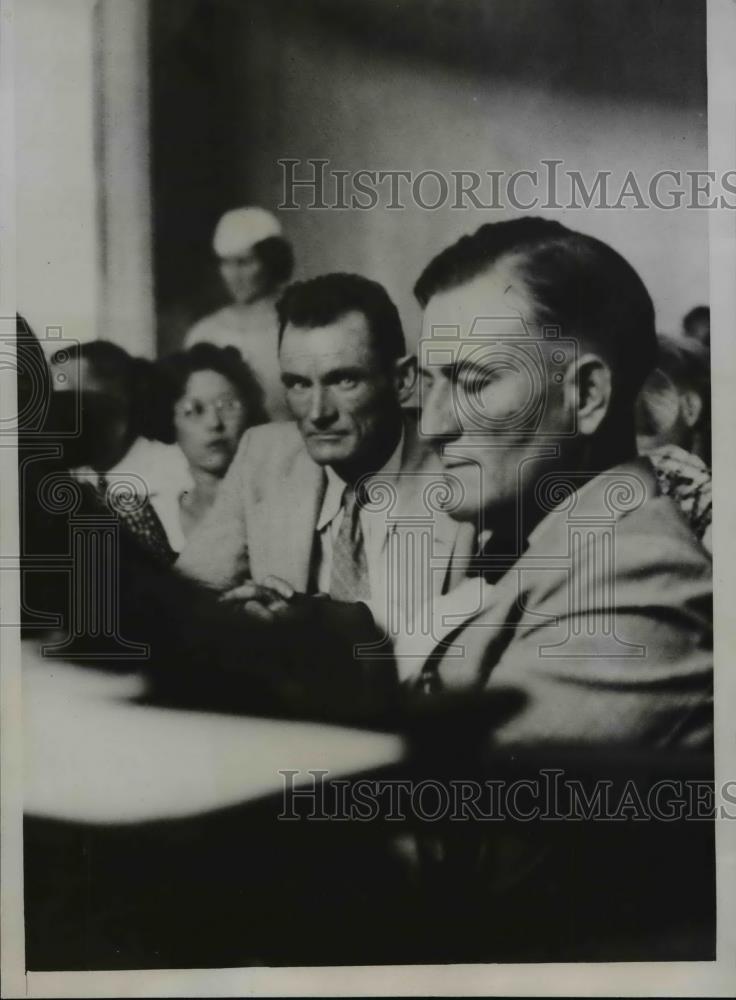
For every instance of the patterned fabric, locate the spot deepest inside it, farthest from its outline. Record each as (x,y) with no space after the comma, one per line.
(349,578)
(138,518)
(687,479)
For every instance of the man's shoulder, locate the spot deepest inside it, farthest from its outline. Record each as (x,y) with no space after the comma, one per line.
(621,533)
(274,445)
(656,537)
(653,522)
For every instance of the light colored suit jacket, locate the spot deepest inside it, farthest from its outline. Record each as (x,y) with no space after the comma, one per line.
(264,519)
(604,624)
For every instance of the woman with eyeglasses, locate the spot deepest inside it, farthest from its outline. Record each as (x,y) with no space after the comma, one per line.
(214,397)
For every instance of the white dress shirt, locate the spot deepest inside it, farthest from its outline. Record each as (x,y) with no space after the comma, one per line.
(162,472)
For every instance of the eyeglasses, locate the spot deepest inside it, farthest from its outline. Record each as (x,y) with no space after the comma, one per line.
(194,409)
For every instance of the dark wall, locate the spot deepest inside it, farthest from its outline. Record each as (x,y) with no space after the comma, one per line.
(192,115)
(420,84)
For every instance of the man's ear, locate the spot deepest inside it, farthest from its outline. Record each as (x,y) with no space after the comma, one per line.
(691,407)
(405,376)
(588,388)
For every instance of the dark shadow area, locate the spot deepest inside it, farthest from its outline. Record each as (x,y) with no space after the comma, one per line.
(242,887)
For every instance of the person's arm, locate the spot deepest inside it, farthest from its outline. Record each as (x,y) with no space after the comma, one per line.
(216,554)
(629,658)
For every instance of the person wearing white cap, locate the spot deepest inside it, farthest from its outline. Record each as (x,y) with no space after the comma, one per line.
(255,263)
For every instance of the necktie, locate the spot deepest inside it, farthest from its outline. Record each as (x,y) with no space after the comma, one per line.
(497,556)
(349,577)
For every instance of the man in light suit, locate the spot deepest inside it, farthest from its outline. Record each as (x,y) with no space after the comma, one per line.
(332,503)
(591,596)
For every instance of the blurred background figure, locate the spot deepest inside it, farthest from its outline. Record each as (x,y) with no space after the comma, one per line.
(673,427)
(122,407)
(213,398)
(255,263)
(109,376)
(131,393)
(674,404)
(696,325)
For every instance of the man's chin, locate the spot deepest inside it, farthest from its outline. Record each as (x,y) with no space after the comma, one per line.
(324,453)
(463,500)
(463,512)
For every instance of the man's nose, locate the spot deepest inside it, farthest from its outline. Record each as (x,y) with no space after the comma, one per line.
(321,405)
(440,419)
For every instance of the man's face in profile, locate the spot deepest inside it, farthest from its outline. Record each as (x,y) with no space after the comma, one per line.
(492,397)
(341,395)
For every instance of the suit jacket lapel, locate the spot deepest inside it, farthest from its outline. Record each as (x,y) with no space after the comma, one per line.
(446,614)
(291,519)
(595,503)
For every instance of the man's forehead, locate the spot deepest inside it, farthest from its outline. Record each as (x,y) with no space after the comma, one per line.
(489,311)
(346,339)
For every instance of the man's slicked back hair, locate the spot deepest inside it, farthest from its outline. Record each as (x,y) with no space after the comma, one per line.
(324,300)
(578,283)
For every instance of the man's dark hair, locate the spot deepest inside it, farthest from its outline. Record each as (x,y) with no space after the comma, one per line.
(321,301)
(276,258)
(578,283)
(110,363)
(133,383)
(226,361)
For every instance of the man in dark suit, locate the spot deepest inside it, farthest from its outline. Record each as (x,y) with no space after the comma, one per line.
(591,594)
(330,503)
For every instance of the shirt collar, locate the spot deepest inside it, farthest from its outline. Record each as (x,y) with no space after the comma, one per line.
(332,502)
(587,487)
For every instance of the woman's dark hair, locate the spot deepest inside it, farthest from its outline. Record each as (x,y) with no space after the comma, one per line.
(176,369)
(277,261)
(135,382)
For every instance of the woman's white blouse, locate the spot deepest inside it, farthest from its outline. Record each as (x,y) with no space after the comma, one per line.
(161,471)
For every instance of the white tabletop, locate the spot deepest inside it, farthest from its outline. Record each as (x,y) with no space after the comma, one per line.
(92,756)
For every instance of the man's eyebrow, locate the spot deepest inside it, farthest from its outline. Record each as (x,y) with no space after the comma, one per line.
(469,368)
(293,377)
(333,375)
(347,371)
(465,367)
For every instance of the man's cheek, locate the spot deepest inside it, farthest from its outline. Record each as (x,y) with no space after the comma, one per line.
(355,414)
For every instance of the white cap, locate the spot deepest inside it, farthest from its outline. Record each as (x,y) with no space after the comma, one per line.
(239,229)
